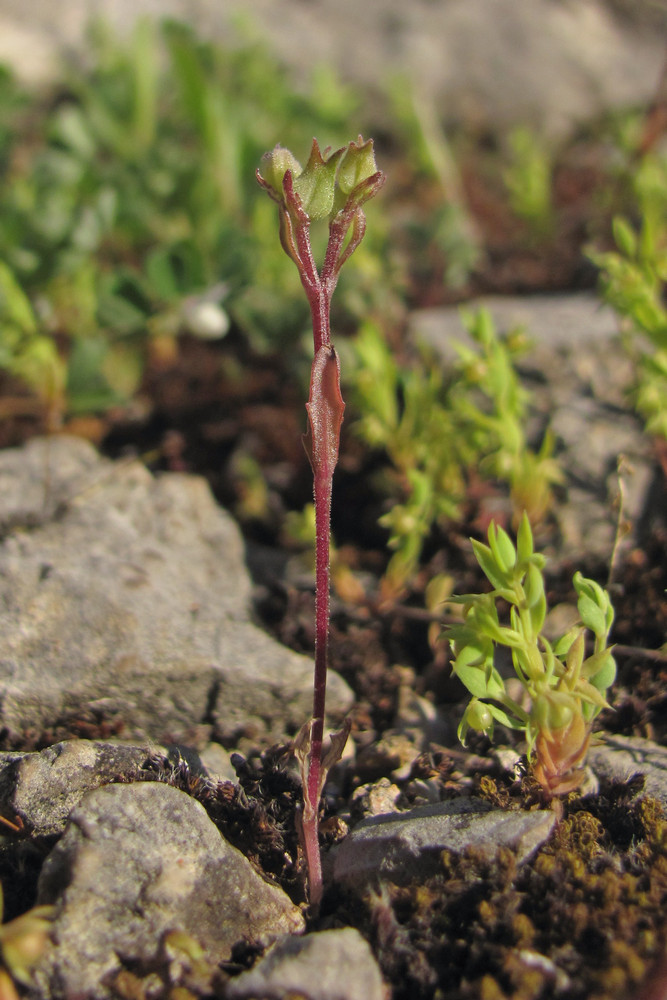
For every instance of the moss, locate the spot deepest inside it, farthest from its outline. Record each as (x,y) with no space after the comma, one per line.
(489,989)
(489,790)
(584,919)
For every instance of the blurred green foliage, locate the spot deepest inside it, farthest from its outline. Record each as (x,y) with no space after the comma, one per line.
(447,225)
(634,283)
(128,207)
(528,178)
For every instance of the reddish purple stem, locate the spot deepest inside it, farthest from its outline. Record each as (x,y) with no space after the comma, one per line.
(325,413)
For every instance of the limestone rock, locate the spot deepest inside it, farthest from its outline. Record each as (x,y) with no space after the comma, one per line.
(621,757)
(329,965)
(406,846)
(135,862)
(125,597)
(579,378)
(41,789)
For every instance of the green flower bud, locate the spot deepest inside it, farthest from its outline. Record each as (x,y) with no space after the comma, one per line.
(357,165)
(274,167)
(559,717)
(478,716)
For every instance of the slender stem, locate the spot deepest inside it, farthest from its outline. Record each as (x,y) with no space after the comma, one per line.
(322,529)
(310,824)
(318,296)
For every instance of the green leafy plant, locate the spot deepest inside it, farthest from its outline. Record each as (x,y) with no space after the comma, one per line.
(435,427)
(634,280)
(564,686)
(333,187)
(25,351)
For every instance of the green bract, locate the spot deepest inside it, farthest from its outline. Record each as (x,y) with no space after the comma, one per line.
(357,165)
(315,185)
(564,688)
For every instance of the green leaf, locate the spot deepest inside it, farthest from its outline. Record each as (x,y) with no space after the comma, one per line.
(575,655)
(502,548)
(14,303)
(500,715)
(625,237)
(592,615)
(588,692)
(524,540)
(562,646)
(469,667)
(533,586)
(485,558)
(538,614)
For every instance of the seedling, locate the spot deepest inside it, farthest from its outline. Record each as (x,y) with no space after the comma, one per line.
(564,688)
(333,186)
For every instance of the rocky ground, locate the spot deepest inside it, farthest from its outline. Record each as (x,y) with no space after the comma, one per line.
(155,662)
(129,631)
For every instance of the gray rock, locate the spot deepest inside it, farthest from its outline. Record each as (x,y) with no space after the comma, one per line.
(135,862)
(579,378)
(621,757)
(552,64)
(329,965)
(126,597)
(405,846)
(217,764)
(555,322)
(43,788)
(374,799)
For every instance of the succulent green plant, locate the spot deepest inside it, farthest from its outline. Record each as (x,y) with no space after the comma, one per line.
(564,685)
(435,427)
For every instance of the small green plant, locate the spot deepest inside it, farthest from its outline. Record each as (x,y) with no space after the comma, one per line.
(564,687)
(528,179)
(333,187)
(448,224)
(436,427)
(27,353)
(634,280)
